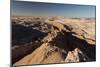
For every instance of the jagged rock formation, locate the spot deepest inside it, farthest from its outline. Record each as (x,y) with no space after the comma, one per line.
(76,56)
(52,40)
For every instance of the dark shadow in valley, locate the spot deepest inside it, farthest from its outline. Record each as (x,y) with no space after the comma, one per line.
(23,41)
(68,42)
(24,34)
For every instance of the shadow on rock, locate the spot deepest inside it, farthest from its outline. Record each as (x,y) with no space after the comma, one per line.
(23,41)
(68,42)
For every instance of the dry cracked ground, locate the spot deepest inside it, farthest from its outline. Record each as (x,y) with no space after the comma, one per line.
(44,40)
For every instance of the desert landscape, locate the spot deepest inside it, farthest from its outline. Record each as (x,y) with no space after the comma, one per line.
(52,33)
(49,40)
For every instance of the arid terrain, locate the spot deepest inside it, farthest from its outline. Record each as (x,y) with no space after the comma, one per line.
(47,40)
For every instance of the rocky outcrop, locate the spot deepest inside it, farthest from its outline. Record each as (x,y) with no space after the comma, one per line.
(58,42)
(27,37)
(76,56)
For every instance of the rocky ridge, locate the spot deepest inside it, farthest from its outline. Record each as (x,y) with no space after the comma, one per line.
(52,41)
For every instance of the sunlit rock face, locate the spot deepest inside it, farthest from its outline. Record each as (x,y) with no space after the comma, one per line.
(42,40)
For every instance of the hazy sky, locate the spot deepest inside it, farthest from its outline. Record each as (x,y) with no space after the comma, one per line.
(21,8)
